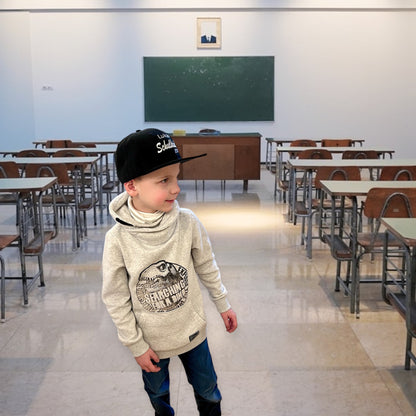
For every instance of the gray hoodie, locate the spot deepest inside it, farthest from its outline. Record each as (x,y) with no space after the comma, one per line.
(151,275)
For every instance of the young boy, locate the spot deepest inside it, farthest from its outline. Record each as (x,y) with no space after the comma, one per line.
(153,260)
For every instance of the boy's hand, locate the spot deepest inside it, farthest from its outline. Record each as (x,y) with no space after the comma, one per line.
(147,361)
(230,320)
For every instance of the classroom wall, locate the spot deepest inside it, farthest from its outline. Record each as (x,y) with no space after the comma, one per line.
(78,74)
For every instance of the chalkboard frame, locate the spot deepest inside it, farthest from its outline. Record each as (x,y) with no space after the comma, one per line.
(233,88)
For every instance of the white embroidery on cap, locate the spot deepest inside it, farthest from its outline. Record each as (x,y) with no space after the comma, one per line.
(165,145)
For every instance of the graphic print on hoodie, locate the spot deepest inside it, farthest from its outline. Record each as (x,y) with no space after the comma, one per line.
(162,287)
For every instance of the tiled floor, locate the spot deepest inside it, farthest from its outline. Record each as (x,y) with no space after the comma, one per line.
(297,351)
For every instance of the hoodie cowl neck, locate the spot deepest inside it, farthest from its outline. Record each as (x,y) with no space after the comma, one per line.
(154,228)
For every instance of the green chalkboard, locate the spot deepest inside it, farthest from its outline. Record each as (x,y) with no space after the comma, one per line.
(239,88)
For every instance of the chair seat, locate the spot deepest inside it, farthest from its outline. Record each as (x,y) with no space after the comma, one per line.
(398,301)
(339,248)
(35,246)
(87,203)
(327,204)
(7,239)
(109,186)
(369,241)
(8,198)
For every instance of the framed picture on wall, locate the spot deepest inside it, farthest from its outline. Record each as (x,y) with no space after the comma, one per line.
(208,32)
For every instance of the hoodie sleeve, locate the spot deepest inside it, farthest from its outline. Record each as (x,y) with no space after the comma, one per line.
(116,296)
(206,267)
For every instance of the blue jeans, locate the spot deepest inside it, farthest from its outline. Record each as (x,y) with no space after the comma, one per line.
(201,375)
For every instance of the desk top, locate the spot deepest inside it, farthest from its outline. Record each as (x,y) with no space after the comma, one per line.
(43,142)
(102,150)
(26,184)
(338,149)
(361,163)
(280,141)
(361,188)
(403,228)
(256,134)
(77,160)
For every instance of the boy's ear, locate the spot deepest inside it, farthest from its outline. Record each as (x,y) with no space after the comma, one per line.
(130,188)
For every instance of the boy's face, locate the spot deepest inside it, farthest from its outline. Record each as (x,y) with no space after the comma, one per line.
(156,191)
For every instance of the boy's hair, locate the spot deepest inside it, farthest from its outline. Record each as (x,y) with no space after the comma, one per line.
(145,151)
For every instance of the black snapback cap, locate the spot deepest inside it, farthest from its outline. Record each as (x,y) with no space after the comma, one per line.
(145,151)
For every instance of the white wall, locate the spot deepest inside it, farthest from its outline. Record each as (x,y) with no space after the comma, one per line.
(16,98)
(339,73)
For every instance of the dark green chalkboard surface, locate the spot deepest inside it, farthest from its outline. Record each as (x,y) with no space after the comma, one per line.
(239,88)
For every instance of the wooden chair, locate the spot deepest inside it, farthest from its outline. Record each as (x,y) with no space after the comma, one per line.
(302,181)
(320,205)
(30,240)
(8,170)
(66,195)
(86,181)
(69,153)
(61,143)
(317,153)
(32,153)
(360,154)
(399,289)
(83,144)
(34,238)
(6,240)
(381,203)
(303,143)
(336,142)
(395,173)
(283,181)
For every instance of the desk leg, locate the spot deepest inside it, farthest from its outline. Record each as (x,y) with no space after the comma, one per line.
(100,189)
(355,275)
(309,218)
(245,185)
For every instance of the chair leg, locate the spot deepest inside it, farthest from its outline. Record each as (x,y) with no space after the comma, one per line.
(338,276)
(3,290)
(408,351)
(41,274)
(24,280)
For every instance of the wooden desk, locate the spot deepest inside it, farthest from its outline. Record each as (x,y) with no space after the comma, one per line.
(103,172)
(81,163)
(272,142)
(42,143)
(352,189)
(310,165)
(399,285)
(229,156)
(291,152)
(29,215)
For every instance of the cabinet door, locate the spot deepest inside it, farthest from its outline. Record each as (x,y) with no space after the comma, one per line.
(218,164)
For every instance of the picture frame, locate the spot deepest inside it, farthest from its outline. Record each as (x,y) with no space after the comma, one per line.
(208,32)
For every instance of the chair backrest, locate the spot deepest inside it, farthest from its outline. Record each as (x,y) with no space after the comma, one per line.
(397,173)
(317,153)
(390,203)
(360,154)
(32,153)
(347,173)
(9,169)
(83,144)
(58,143)
(59,170)
(336,142)
(69,153)
(303,143)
